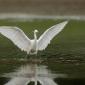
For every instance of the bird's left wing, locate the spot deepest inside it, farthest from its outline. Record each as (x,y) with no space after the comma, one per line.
(48,81)
(49,34)
(17,36)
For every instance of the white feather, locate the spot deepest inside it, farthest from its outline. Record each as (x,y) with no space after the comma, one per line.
(18,81)
(49,34)
(17,36)
(48,81)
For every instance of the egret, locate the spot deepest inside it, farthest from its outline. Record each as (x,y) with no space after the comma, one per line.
(31,46)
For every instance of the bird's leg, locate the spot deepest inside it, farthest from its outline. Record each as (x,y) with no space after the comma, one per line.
(35,67)
(36,53)
(26,57)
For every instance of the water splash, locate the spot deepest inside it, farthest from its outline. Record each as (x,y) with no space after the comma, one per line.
(25,74)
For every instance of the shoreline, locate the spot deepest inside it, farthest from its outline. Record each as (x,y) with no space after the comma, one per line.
(22,16)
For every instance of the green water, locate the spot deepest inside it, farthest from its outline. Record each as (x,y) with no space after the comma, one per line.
(65,54)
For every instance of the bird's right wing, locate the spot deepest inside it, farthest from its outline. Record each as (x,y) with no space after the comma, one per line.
(17,36)
(18,81)
(49,34)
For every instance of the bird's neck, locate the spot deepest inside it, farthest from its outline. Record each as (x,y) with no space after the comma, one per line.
(35,36)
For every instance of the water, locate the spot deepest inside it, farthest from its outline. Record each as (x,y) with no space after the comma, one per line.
(35,73)
(64,66)
(32,73)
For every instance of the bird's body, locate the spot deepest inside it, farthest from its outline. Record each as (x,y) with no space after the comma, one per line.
(34,47)
(18,37)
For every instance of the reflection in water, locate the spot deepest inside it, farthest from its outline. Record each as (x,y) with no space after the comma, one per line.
(31,73)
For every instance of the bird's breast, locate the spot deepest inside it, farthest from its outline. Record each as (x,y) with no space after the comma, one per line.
(34,45)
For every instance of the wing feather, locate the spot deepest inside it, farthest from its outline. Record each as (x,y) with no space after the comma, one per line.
(18,81)
(17,36)
(49,34)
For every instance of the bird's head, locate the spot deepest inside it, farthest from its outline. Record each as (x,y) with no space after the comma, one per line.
(35,31)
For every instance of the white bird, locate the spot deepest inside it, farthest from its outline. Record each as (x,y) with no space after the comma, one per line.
(18,37)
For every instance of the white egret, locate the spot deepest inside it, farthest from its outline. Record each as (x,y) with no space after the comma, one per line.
(18,37)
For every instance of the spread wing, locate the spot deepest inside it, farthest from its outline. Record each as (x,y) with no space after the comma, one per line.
(48,81)
(17,36)
(18,81)
(49,34)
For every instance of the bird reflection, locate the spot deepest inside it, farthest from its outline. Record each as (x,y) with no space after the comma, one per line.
(31,75)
